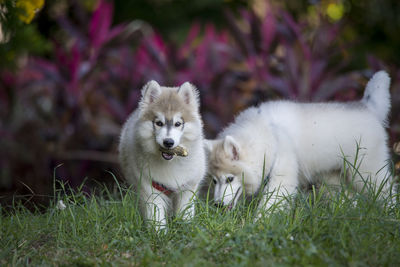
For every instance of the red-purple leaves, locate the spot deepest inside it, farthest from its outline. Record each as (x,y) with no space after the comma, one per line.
(268,30)
(100,31)
(100,23)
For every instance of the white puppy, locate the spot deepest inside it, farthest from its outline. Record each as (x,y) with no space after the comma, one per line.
(285,144)
(167,117)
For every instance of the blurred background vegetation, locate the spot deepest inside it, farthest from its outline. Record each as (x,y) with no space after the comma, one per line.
(71,71)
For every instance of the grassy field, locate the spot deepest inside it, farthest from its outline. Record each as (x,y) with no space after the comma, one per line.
(107,229)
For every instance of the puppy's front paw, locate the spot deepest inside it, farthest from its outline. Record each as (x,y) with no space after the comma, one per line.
(187,213)
(159,227)
(259,215)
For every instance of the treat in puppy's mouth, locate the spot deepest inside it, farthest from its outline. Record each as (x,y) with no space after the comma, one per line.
(177,151)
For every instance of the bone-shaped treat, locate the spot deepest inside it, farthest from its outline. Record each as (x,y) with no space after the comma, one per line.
(178,151)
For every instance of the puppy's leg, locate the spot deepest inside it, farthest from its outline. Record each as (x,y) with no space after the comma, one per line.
(155,207)
(283,182)
(372,171)
(331,183)
(185,202)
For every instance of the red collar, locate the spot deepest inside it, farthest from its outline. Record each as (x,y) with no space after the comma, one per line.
(162,188)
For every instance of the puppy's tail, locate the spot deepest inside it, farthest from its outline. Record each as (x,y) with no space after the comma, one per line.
(377,96)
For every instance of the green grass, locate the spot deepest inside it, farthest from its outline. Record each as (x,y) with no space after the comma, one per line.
(107,229)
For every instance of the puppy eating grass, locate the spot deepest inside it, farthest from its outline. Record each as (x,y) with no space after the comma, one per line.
(283,144)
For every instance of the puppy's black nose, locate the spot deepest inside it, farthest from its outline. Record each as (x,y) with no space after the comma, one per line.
(219,205)
(168,142)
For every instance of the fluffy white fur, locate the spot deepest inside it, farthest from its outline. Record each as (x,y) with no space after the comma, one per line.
(302,143)
(161,114)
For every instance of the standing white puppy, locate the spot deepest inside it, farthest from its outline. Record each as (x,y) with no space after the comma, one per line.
(295,143)
(167,119)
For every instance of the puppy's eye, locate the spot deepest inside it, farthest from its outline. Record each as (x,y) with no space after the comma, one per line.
(214,181)
(159,123)
(177,124)
(229,179)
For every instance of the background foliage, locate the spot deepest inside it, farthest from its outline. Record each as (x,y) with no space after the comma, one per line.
(70,77)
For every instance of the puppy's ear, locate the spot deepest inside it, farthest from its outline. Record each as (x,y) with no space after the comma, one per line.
(189,94)
(231,147)
(150,92)
(209,145)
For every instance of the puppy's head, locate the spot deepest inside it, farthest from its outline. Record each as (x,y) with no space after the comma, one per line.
(170,114)
(225,167)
